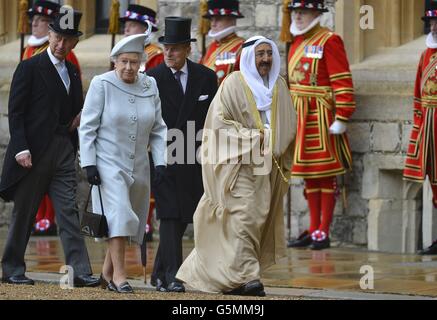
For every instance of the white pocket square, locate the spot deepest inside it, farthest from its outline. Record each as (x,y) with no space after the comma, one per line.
(203,98)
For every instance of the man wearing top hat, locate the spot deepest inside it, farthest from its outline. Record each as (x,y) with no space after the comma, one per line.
(186,90)
(42,14)
(45,97)
(135,22)
(223,54)
(321,86)
(422,151)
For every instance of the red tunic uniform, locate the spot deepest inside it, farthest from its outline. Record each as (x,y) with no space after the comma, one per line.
(224,56)
(322,91)
(421,154)
(155,56)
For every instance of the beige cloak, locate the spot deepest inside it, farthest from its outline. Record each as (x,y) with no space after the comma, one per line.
(239,222)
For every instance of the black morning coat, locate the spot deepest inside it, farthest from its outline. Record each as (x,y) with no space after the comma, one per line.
(178,194)
(36,98)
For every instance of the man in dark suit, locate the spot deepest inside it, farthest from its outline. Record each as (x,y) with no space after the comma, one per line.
(186,90)
(45,99)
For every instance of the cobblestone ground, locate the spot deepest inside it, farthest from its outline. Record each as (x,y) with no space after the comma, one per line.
(41,291)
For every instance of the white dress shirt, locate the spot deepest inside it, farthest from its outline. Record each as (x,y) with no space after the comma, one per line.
(61,68)
(184,75)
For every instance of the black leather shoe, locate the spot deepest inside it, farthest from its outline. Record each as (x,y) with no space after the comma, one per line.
(122,288)
(86,281)
(160,286)
(153,282)
(176,287)
(18,280)
(432,249)
(252,288)
(304,240)
(103,283)
(320,245)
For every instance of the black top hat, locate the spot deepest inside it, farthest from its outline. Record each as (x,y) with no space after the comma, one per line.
(63,24)
(318,5)
(430,10)
(44,8)
(141,14)
(177,30)
(223,8)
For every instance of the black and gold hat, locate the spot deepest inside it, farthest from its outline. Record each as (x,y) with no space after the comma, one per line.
(223,8)
(44,8)
(318,5)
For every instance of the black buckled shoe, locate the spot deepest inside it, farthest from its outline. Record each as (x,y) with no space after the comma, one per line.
(320,245)
(252,288)
(304,240)
(176,287)
(86,281)
(122,288)
(22,279)
(104,284)
(431,250)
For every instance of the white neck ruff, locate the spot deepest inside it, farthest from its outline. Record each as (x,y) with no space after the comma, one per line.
(430,42)
(221,34)
(36,42)
(296,32)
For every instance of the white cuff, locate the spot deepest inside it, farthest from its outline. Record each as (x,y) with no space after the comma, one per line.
(22,152)
(338,127)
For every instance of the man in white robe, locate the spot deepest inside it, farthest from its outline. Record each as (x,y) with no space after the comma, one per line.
(246,159)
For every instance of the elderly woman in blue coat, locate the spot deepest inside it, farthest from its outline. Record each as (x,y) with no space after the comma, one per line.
(121,118)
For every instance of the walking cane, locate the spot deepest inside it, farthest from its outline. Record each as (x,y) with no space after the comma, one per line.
(114,24)
(23,24)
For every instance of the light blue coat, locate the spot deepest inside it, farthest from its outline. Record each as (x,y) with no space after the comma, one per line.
(119,121)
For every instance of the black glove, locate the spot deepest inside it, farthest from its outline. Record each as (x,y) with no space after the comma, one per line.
(159,174)
(93,175)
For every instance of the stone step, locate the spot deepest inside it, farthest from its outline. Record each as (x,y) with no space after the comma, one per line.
(383,107)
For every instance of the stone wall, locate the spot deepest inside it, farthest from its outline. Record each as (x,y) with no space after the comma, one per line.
(387,133)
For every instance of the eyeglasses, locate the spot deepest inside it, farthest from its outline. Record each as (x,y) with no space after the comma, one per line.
(125,62)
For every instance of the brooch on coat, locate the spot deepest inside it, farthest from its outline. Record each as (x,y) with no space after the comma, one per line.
(147,83)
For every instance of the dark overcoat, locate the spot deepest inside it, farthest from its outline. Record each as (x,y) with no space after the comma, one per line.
(178,194)
(36,99)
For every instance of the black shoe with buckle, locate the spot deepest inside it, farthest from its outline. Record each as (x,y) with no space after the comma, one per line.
(122,288)
(304,240)
(431,250)
(320,245)
(104,284)
(21,279)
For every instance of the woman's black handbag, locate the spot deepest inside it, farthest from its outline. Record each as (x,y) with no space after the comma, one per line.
(92,224)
